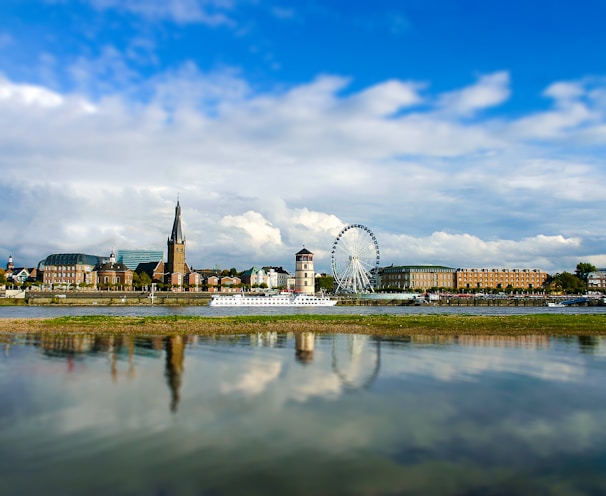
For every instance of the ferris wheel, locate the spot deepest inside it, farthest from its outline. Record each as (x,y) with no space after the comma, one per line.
(355,260)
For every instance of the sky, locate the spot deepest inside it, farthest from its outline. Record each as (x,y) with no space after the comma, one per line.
(466,133)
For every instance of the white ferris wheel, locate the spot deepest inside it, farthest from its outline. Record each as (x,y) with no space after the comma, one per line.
(355,260)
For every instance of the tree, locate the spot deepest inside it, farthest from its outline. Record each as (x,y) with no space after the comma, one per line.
(324,283)
(567,282)
(583,270)
(144,279)
(2,277)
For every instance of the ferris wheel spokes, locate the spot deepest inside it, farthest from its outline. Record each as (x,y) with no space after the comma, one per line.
(355,259)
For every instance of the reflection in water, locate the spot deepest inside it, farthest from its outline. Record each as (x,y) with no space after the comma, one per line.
(533,342)
(589,344)
(175,356)
(416,415)
(356,359)
(304,347)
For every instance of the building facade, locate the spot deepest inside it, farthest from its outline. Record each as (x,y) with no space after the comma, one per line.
(304,272)
(277,277)
(114,275)
(254,277)
(421,277)
(70,269)
(597,279)
(477,278)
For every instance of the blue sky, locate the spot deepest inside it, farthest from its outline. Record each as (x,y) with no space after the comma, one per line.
(461,132)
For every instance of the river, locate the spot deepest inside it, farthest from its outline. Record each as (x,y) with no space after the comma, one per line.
(25,312)
(301,414)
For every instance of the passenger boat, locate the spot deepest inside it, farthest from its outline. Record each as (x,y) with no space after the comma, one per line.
(271,300)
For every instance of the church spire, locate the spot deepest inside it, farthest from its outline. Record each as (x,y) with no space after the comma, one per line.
(176,235)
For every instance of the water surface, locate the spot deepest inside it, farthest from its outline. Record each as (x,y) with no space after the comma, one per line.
(302,414)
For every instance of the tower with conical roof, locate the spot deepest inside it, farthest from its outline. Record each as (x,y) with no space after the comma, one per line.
(304,272)
(176,246)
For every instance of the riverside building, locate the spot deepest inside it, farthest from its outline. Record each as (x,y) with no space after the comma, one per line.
(411,277)
(500,278)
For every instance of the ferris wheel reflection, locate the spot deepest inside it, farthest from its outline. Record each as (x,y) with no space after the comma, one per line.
(356,360)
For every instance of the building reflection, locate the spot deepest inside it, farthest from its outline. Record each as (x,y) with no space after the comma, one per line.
(175,358)
(530,341)
(304,347)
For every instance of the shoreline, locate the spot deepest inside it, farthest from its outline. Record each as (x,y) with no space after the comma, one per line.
(377,325)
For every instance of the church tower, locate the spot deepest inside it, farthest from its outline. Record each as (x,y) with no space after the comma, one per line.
(305,279)
(176,246)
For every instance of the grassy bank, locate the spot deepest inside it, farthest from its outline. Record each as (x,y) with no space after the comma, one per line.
(384,325)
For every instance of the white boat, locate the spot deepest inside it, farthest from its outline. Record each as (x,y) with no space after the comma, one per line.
(552,304)
(271,300)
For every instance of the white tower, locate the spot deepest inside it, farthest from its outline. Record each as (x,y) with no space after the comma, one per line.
(304,272)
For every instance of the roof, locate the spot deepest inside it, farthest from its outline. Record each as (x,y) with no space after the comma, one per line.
(148,267)
(424,268)
(278,270)
(115,266)
(250,272)
(71,259)
(304,251)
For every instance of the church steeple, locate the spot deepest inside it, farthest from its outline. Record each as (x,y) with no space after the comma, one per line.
(176,268)
(176,235)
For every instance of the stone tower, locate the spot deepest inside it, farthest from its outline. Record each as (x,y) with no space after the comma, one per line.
(176,246)
(304,272)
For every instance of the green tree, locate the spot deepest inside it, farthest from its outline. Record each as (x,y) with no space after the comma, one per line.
(144,279)
(567,282)
(324,283)
(583,270)
(2,277)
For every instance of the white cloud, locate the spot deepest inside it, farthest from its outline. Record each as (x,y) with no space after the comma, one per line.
(27,94)
(261,174)
(489,91)
(259,231)
(254,380)
(472,251)
(209,12)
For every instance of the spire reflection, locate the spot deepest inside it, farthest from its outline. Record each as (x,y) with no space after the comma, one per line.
(175,357)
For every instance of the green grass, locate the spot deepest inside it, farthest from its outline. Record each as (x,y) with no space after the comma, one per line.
(388,325)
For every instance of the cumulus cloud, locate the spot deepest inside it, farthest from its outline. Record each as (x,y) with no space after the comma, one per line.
(533,252)
(489,91)
(259,231)
(262,173)
(26,94)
